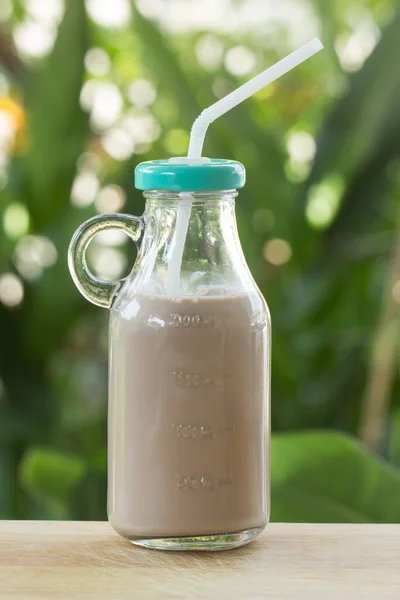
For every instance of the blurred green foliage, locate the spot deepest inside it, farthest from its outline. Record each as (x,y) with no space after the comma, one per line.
(49,477)
(327,477)
(319,234)
(394,436)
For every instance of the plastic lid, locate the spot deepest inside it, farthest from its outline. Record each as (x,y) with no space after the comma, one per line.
(190,175)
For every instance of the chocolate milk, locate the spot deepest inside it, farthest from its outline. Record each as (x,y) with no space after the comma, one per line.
(188,416)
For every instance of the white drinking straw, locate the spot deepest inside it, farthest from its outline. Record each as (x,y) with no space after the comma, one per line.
(256,84)
(197,136)
(178,243)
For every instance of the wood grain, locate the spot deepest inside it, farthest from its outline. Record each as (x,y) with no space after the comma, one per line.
(61,560)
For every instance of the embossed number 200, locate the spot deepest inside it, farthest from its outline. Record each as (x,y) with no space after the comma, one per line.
(186,320)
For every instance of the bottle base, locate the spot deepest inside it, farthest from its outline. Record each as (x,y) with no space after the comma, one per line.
(224,541)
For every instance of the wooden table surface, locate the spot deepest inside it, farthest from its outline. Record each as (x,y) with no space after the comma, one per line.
(88,560)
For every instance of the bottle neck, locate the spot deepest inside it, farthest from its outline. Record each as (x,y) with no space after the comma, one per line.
(212,254)
(211,232)
(173,199)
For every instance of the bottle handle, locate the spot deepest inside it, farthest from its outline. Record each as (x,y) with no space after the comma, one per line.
(96,291)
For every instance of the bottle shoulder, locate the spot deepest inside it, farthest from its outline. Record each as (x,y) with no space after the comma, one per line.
(201,311)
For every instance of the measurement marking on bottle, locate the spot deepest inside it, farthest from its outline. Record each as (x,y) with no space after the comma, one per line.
(259,321)
(201,483)
(195,484)
(193,432)
(194,320)
(195,379)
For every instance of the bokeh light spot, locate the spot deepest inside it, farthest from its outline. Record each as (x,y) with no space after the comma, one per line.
(110,199)
(106,107)
(112,238)
(84,189)
(141,93)
(48,12)
(118,143)
(11,290)
(240,61)
(150,9)
(354,49)
(87,95)
(324,201)
(97,62)
(277,252)
(12,120)
(297,171)
(7,128)
(209,52)
(107,263)
(109,13)
(176,142)
(32,254)
(16,220)
(301,146)
(33,39)
(13,111)
(141,126)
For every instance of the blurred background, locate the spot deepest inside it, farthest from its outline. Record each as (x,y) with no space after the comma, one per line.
(88,90)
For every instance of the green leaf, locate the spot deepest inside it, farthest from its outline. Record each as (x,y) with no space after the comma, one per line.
(329,477)
(394,439)
(54,289)
(354,128)
(361,135)
(50,476)
(164,65)
(56,122)
(58,129)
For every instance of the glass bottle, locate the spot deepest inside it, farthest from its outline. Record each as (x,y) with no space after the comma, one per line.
(189,375)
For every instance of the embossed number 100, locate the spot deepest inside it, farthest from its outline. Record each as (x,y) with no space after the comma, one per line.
(194,484)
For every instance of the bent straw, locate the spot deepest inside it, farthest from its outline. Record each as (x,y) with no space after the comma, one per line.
(197,136)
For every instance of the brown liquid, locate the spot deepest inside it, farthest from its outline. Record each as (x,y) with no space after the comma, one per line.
(188,417)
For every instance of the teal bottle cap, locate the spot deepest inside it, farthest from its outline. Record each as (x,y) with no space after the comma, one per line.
(190,175)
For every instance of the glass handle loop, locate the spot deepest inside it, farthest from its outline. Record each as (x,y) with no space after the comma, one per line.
(99,292)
